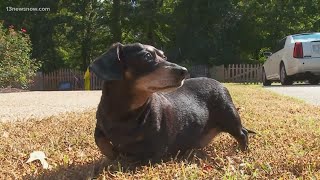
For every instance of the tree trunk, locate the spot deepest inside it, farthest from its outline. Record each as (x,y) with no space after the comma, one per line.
(116,21)
(86,48)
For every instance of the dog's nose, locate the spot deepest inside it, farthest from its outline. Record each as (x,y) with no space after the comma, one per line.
(183,71)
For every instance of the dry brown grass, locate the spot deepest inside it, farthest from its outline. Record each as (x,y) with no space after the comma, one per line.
(287,146)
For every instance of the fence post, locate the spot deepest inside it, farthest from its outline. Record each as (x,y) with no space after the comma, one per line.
(226,73)
(260,72)
(256,73)
(251,73)
(247,73)
(232,72)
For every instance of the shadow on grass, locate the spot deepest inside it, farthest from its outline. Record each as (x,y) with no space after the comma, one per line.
(109,168)
(84,171)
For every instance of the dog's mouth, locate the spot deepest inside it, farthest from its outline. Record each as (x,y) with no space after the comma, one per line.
(163,88)
(169,87)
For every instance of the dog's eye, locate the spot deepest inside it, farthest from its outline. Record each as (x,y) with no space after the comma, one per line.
(165,58)
(148,57)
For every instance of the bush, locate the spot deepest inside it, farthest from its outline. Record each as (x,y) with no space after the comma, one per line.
(16,67)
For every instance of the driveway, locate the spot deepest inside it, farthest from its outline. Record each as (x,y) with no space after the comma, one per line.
(28,105)
(306,92)
(40,104)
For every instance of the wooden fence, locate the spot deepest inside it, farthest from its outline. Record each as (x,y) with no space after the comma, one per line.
(64,79)
(243,73)
(237,73)
(52,80)
(69,79)
(199,71)
(95,82)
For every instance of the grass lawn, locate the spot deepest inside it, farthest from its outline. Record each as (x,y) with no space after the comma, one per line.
(287,146)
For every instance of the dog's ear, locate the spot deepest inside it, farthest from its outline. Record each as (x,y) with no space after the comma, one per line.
(108,66)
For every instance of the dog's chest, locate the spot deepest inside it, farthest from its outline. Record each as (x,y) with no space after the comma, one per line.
(124,133)
(147,132)
(138,128)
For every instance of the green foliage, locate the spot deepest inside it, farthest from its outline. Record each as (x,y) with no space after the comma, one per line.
(263,23)
(191,32)
(205,31)
(16,66)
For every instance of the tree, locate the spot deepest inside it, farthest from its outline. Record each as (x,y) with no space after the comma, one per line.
(115,24)
(216,32)
(264,23)
(81,33)
(16,66)
(206,31)
(40,28)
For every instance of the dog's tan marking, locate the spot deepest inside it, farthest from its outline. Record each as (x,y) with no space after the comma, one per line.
(140,137)
(206,139)
(128,75)
(161,80)
(139,99)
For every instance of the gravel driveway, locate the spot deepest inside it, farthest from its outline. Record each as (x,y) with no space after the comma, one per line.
(38,104)
(308,93)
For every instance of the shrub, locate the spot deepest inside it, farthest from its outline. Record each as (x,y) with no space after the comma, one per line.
(16,67)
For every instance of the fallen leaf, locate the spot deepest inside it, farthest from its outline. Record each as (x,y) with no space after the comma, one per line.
(207,167)
(5,134)
(39,155)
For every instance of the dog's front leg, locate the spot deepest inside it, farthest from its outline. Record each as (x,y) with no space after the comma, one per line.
(104,144)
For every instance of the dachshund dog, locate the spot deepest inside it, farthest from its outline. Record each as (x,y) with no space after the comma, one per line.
(149,109)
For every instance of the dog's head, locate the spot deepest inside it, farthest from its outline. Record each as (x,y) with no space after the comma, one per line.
(143,65)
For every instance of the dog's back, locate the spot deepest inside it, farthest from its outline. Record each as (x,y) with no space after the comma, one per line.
(194,104)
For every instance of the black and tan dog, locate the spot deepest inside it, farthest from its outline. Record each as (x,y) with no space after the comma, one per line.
(148,109)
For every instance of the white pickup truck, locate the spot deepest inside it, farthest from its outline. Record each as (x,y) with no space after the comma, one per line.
(296,57)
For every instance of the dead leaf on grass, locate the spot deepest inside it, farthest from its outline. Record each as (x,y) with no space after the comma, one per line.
(5,134)
(39,155)
(207,167)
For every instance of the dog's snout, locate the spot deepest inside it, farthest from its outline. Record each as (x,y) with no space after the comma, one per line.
(183,71)
(177,70)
